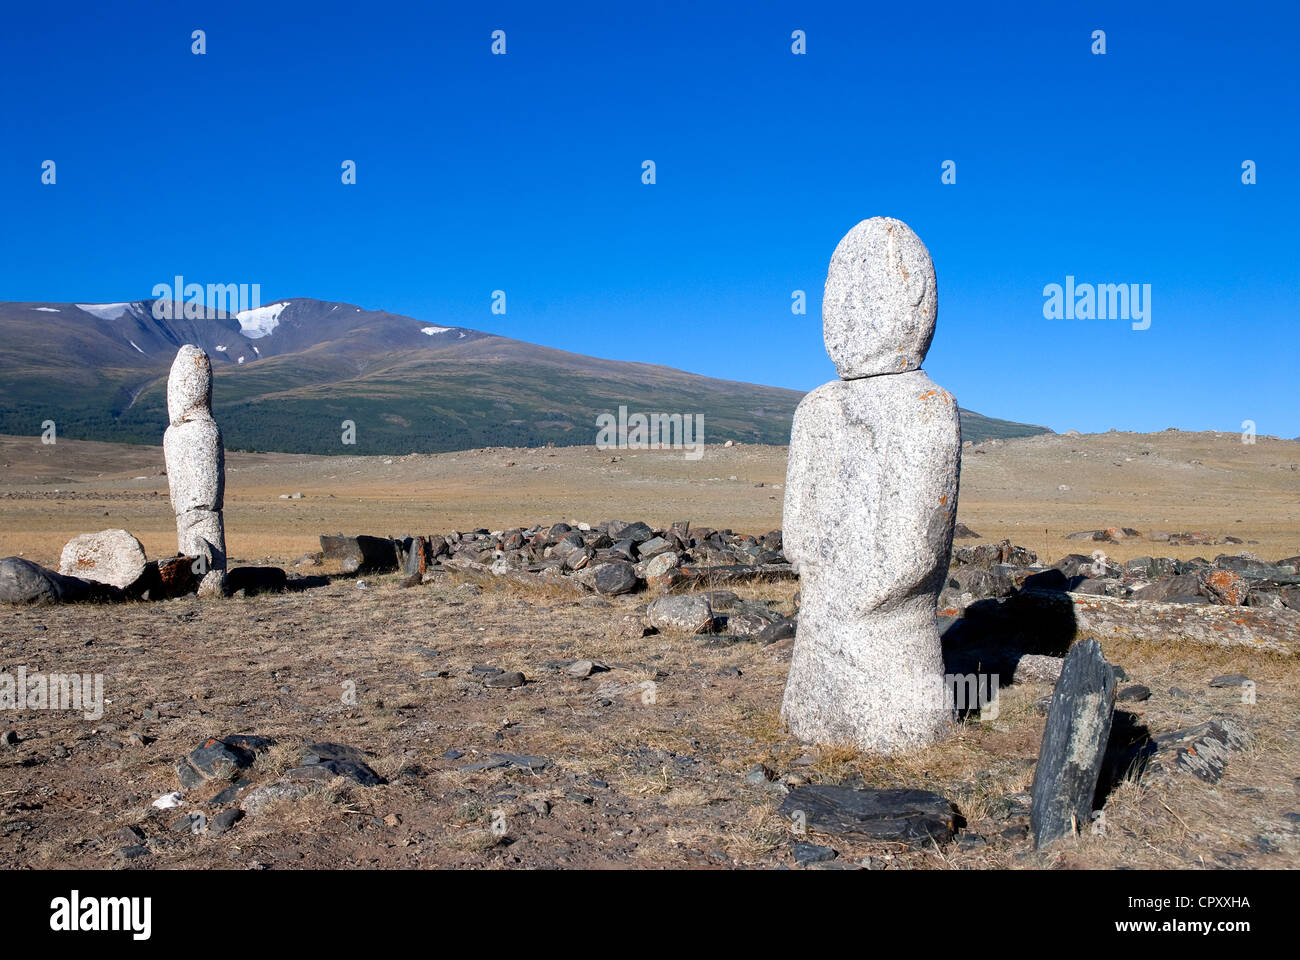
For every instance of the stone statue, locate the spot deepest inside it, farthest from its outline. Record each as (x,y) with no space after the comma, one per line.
(870,502)
(196,466)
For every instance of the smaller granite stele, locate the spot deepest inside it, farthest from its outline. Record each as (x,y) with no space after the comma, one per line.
(196,466)
(870,504)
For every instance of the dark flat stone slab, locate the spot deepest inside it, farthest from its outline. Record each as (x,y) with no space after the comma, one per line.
(914,817)
(1074,744)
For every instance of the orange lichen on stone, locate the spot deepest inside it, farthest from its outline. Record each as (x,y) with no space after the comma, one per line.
(1227,585)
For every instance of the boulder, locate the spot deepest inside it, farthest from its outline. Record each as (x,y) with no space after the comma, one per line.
(22,581)
(661,563)
(681,614)
(256,580)
(110,556)
(615,578)
(325,761)
(360,554)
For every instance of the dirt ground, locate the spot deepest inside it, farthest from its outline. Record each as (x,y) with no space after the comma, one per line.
(645,763)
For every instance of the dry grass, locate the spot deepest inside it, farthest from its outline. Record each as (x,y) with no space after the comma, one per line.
(1171,480)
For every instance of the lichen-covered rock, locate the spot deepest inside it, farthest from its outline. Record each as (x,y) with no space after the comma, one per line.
(110,556)
(684,614)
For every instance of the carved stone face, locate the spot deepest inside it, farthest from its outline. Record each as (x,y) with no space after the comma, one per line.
(881,301)
(189,386)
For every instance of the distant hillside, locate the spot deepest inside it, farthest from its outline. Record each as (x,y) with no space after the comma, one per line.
(289,374)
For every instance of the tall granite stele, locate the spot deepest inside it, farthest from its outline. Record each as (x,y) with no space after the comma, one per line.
(196,466)
(870,501)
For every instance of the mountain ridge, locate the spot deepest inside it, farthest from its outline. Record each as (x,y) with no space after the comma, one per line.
(289,376)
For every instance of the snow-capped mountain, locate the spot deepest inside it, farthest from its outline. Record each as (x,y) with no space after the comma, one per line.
(290,372)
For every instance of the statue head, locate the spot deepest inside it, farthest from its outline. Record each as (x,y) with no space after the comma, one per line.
(880,304)
(189,386)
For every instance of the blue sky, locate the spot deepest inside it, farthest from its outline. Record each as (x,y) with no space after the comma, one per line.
(523,173)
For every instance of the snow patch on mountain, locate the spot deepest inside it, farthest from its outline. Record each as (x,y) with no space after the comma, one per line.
(46,310)
(260,321)
(104,311)
(133,343)
(430,331)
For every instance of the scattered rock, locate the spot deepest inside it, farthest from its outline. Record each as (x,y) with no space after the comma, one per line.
(662,563)
(505,681)
(324,761)
(256,580)
(581,669)
(190,823)
(1230,680)
(1201,750)
(223,821)
(681,614)
(129,835)
(264,796)
(220,759)
(783,629)
(812,853)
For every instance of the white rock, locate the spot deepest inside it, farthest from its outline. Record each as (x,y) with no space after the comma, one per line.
(110,556)
(870,503)
(168,800)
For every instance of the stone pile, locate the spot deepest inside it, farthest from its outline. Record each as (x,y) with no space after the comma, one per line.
(611,558)
(995,570)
